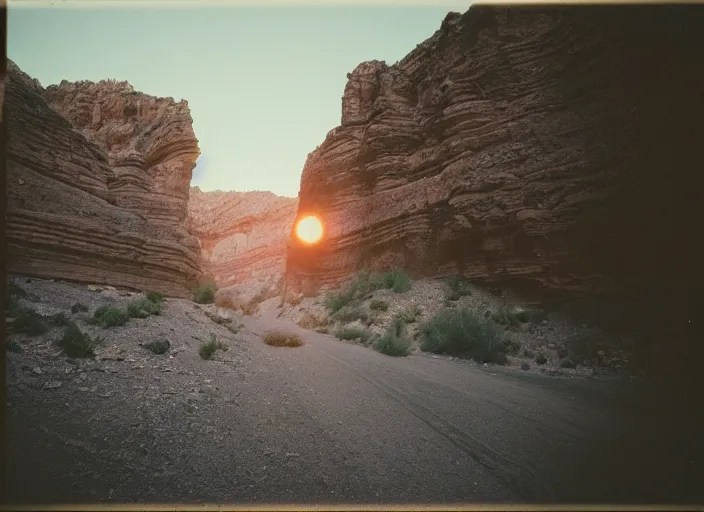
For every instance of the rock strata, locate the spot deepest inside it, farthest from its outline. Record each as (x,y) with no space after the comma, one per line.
(97,184)
(242,234)
(544,148)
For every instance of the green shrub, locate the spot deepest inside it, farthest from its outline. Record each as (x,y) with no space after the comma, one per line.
(282,339)
(378,305)
(158,347)
(397,280)
(142,308)
(208,348)
(29,322)
(350,315)
(205,293)
(463,333)
(511,317)
(459,287)
(363,284)
(109,316)
(394,342)
(353,333)
(76,343)
(155,297)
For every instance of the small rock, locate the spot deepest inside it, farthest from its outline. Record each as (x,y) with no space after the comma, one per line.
(52,384)
(37,370)
(293,455)
(82,388)
(93,288)
(20,181)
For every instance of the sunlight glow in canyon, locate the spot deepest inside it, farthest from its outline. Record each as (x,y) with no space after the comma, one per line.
(309,230)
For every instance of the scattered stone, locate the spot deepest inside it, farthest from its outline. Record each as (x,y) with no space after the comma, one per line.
(76,308)
(293,455)
(52,384)
(37,370)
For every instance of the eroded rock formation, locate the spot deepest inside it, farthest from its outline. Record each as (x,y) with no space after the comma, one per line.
(545,148)
(242,234)
(98,181)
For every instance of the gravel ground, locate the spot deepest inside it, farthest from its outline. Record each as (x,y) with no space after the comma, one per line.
(328,422)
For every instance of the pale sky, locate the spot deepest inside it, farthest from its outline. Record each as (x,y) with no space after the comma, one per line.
(264,84)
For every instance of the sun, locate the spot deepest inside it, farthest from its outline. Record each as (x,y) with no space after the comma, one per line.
(309,229)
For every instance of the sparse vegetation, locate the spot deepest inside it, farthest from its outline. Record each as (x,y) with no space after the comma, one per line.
(541,359)
(322,330)
(76,343)
(158,347)
(458,288)
(295,300)
(208,348)
(463,333)
(28,321)
(142,308)
(379,305)
(353,333)
(155,297)
(282,339)
(568,362)
(394,342)
(310,321)
(205,293)
(397,280)
(525,366)
(220,320)
(109,316)
(350,314)
(511,317)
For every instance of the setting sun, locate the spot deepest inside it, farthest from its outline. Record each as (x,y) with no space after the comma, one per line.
(309,229)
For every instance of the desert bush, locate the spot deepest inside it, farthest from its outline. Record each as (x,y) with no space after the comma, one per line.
(28,321)
(568,362)
(223,300)
(541,359)
(158,347)
(155,297)
(511,317)
(109,316)
(463,333)
(353,333)
(394,342)
(142,308)
(205,293)
(379,305)
(309,321)
(322,330)
(397,280)
(282,339)
(208,348)
(294,300)
(458,287)
(364,283)
(76,343)
(350,314)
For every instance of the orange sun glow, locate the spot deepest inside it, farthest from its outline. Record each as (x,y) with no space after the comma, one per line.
(309,229)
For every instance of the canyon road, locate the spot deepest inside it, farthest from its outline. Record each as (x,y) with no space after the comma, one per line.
(330,422)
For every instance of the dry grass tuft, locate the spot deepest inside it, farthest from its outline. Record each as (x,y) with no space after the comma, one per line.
(282,339)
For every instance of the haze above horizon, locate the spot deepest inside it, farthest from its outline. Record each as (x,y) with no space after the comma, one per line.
(264,84)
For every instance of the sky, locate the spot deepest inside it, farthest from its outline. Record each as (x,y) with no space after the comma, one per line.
(264,83)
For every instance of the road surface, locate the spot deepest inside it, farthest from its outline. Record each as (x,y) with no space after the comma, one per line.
(333,422)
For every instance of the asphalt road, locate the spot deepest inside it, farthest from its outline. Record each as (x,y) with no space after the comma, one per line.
(332,422)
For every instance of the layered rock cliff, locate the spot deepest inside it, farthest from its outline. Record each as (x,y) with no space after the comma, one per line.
(98,182)
(545,148)
(242,234)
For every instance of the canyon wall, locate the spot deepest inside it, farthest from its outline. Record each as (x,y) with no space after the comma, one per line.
(242,234)
(97,184)
(543,148)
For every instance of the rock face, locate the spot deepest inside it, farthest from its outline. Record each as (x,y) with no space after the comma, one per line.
(545,148)
(98,182)
(242,234)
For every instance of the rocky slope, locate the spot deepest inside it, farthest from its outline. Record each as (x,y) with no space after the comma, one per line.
(543,148)
(98,181)
(242,234)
